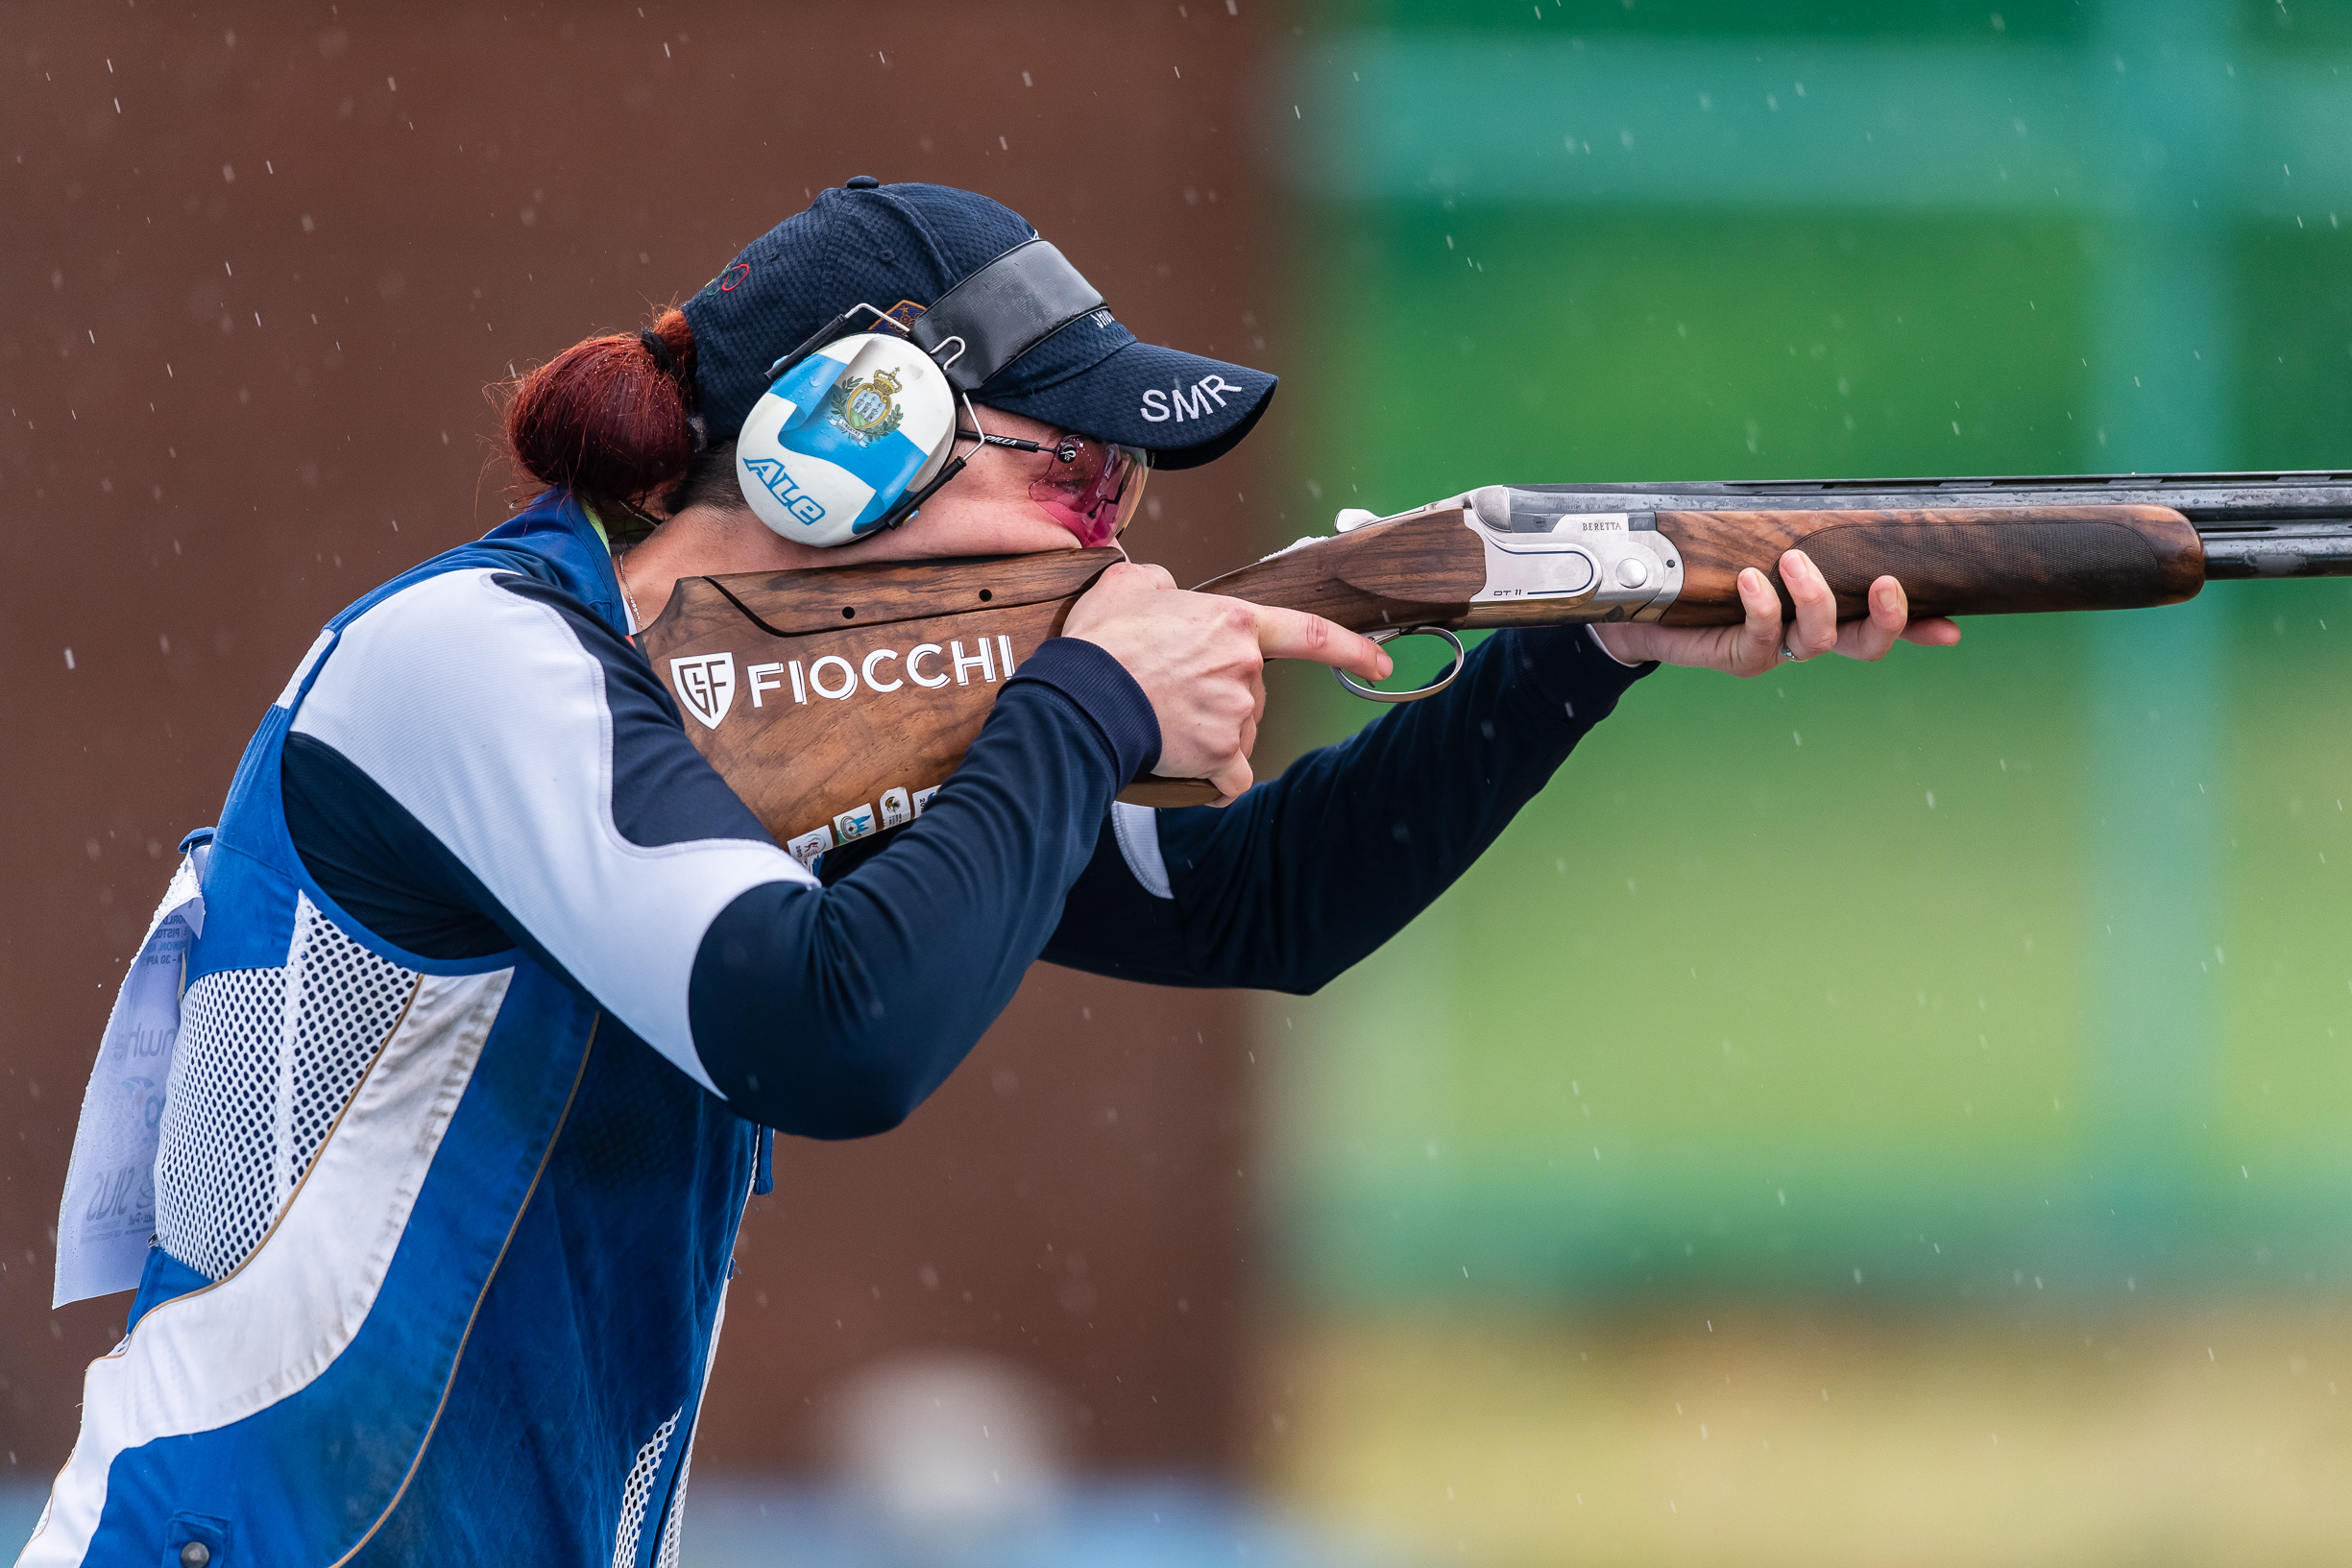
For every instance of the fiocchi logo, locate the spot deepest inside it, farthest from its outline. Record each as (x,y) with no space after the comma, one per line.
(705,684)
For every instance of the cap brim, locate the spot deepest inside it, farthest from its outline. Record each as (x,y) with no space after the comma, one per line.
(1184,409)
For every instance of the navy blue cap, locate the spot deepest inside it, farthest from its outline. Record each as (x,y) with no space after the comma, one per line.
(875,244)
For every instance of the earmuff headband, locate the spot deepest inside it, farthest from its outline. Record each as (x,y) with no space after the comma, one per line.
(833,331)
(1003,311)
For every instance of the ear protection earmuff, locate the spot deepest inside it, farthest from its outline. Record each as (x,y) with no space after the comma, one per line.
(835,441)
(856,429)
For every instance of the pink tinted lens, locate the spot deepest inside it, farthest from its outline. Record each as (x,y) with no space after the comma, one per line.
(1093,494)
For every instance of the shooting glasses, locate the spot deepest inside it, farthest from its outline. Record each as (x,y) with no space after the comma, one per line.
(1091,488)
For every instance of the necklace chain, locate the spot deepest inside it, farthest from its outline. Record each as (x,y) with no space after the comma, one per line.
(621,571)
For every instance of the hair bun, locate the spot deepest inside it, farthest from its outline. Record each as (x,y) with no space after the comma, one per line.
(607,416)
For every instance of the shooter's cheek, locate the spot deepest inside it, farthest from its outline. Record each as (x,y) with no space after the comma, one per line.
(1090,528)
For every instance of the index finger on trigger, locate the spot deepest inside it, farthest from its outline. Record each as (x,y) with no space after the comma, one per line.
(1294,633)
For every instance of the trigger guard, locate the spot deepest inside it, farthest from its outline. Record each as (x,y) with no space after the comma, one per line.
(1370,693)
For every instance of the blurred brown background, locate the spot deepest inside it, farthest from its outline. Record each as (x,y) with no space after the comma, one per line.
(259,266)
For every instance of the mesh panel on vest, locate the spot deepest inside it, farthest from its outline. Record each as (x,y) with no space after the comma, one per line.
(215,1190)
(637,1492)
(351,998)
(246,1113)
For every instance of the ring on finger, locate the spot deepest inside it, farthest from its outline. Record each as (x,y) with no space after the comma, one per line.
(1786,653)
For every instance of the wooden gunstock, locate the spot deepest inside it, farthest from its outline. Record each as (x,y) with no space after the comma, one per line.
(1957,561)
(842,683)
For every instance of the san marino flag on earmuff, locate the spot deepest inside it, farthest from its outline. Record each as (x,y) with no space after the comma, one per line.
(840,436)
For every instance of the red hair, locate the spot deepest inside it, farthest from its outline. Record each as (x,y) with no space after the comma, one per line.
(604,415)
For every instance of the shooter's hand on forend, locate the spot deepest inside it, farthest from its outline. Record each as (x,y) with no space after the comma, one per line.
(1754,647)
(1200,660)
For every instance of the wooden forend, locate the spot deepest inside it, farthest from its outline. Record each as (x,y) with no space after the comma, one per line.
(1953,561)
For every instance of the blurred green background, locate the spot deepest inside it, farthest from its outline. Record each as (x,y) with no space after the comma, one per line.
(1978,1005)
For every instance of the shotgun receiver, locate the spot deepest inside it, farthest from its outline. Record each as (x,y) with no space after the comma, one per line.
(836,700)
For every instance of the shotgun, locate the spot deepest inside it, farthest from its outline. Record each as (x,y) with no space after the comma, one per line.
(836,700)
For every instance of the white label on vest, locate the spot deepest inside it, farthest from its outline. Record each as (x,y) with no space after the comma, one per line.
(108,1211)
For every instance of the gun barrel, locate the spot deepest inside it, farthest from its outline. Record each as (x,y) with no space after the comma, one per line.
(2317,547)
(2281,524)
